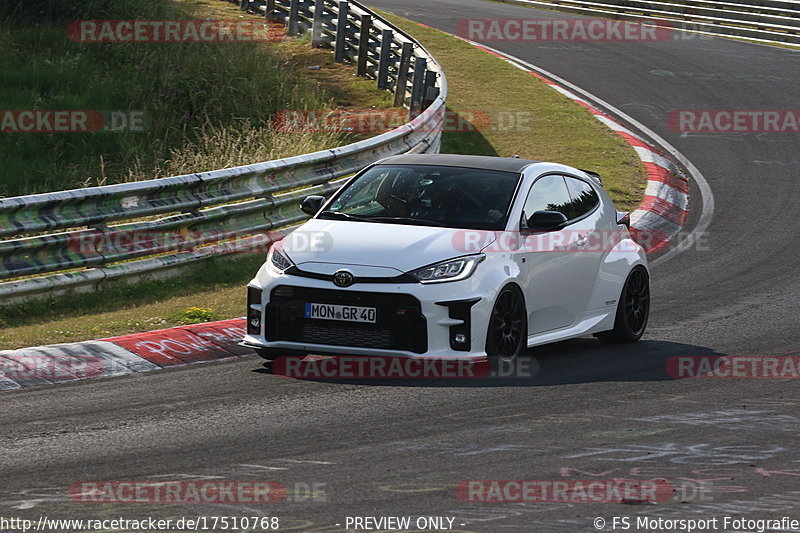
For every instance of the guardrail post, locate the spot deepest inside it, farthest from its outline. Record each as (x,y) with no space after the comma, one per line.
(363,44)
(269,10)
(316,26)
(387,36)
(431,92)
(418,84)
(294,13)
(341,32)
(402,74)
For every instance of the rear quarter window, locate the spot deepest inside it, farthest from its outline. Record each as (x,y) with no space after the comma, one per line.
(583,196)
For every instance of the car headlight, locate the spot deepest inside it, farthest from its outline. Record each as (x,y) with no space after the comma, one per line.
(278,260)
(450,270)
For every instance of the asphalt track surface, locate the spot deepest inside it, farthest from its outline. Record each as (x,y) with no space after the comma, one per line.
(591,411)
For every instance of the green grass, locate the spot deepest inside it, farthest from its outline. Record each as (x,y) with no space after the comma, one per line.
(196,96)
(561,131)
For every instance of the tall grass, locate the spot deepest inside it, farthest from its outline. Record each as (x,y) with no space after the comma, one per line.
(226,147)
(208,104)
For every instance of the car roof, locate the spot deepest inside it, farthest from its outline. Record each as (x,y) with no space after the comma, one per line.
(506,164)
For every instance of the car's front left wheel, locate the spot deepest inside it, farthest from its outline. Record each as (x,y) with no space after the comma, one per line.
(507,335)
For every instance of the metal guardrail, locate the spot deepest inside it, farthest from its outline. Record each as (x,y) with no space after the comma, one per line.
(774,21)
(223,211)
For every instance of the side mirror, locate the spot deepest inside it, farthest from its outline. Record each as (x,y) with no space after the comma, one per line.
(546,221)
(312,204)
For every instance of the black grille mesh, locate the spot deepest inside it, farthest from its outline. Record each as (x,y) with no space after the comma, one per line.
(400,324)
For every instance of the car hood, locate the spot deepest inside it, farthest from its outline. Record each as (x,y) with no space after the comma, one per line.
(321,245)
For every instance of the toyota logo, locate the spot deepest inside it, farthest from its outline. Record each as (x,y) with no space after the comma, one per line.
(343,278)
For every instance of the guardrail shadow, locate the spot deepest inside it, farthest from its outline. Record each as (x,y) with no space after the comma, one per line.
(583,360)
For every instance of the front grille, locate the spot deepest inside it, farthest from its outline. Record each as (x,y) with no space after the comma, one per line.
(356,336)
(400,324)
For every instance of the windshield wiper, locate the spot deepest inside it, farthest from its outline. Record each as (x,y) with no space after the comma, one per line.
(395,220)
(343,216)
(407,220)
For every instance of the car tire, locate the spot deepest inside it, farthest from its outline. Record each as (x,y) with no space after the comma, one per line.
(633,309)
(507,333)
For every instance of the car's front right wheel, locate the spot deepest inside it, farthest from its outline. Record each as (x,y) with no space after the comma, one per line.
(633,309)
(507,335)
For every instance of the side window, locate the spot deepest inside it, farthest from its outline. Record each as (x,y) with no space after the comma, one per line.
(549,193)
(584,199)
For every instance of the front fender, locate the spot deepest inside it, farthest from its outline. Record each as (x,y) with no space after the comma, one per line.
(613,271)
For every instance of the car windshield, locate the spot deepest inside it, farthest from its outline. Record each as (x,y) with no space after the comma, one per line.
(452,197)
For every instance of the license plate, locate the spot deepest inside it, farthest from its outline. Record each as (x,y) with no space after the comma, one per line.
(348,313)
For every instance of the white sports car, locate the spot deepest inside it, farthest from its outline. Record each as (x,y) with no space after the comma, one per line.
(451,256)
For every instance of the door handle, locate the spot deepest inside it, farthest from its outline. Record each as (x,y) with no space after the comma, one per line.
(582,241)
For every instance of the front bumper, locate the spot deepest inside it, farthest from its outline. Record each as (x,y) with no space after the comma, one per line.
(414,320)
